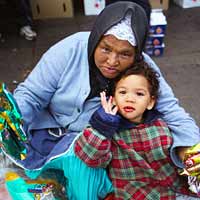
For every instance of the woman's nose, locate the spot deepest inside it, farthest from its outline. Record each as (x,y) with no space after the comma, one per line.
(113,59)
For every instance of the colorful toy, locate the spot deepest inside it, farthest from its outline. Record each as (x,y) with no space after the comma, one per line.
(20,189)
(192,161)
(12,137)
(17,187)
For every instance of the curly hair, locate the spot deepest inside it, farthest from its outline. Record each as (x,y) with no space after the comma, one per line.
(143,69)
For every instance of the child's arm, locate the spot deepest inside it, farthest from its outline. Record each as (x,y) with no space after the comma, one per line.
(93,148)
(93,145)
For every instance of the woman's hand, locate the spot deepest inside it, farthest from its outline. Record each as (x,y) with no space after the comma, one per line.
(181,152)
(191,158)
(107,104)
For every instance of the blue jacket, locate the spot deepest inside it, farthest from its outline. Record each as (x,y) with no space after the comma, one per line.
(55,94)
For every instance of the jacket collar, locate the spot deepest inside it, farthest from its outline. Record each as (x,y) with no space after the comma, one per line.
(149,116)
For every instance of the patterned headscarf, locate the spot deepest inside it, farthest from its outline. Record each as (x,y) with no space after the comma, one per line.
(123,31)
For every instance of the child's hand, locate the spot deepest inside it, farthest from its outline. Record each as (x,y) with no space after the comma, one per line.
(107,105)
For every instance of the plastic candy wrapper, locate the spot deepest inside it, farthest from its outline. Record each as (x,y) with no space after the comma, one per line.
(38,189)
(4,163)
(12,137)
(194,184)
(15,185)
(192,159)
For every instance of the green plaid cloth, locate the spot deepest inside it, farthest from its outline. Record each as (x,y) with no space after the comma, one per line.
(137,159)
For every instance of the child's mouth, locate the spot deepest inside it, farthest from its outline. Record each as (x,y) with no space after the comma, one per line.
(129,109)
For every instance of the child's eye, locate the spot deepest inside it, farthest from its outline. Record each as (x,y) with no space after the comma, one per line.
(140,94)
(122,92)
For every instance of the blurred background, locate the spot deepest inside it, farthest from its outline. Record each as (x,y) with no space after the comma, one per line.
(174,43)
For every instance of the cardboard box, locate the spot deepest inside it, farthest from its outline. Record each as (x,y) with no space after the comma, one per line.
(52,8)
(188,3)
(153,50)
(157,29)
(158,22)
(155,39)
(163,4)
(93,7)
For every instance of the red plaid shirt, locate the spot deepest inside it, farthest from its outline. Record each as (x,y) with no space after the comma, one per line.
(137,159)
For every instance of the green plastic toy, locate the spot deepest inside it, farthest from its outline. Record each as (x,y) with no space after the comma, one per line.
(12,137)
(19,189)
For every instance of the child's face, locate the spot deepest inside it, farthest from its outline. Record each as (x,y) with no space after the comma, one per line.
(132,97)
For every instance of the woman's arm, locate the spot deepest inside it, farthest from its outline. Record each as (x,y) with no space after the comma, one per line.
(37,91)
(184,130)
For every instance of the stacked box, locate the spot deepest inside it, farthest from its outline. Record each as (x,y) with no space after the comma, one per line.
(42,9)
(162,4)
(94,7)
(188,3)
(155,41)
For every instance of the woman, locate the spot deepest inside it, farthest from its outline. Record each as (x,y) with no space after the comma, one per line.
(62,92)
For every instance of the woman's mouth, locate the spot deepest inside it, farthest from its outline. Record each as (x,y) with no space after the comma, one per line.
(110,70)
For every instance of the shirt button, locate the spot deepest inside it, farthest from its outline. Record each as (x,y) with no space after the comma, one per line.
(78,110)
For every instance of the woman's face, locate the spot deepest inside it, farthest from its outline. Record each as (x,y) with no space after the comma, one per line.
(112,56)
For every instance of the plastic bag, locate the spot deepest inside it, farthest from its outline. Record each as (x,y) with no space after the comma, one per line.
(13,139)
(15,185)
(4,164)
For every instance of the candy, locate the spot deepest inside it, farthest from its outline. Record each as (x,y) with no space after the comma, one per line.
(194,159)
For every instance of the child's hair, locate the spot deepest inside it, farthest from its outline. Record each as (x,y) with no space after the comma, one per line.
(143,69)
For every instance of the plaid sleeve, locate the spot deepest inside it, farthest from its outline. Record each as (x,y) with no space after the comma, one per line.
(93,148)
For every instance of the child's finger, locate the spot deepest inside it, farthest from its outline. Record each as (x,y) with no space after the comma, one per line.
(110,103)
(103,99)
(104,102)
(114,110)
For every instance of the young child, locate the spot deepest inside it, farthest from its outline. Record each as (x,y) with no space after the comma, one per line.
(128,137)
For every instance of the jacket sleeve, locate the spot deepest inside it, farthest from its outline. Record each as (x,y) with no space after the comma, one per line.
(36,92)
(106,124)
(183,128)
(93,148)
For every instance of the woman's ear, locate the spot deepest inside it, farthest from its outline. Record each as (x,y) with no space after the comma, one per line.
(151,103)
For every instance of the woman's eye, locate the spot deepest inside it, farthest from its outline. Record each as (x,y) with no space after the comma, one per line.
(125,55)
(105,49)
